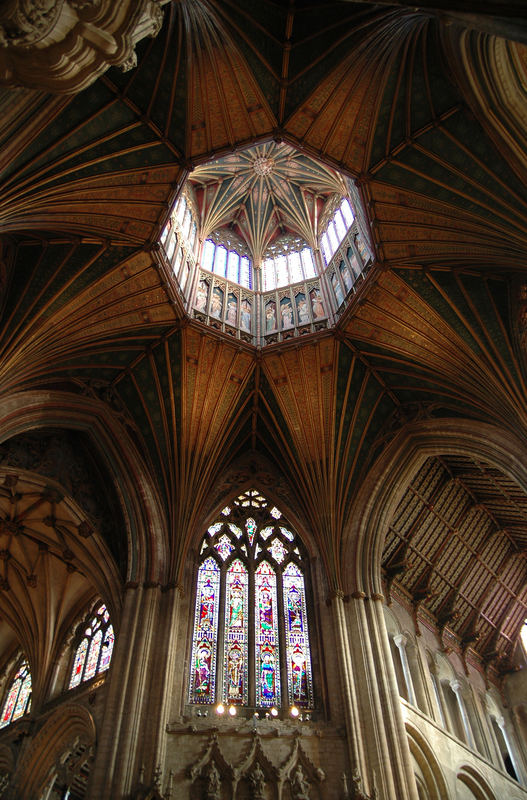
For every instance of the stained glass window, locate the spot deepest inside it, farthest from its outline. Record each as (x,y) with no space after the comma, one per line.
(18,700)
(251,609)
(299,679)
(235,656)
(94,651)
(204,646)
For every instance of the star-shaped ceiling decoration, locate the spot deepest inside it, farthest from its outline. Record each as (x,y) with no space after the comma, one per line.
(265,192)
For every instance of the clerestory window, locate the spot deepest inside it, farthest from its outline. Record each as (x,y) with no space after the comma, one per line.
(94,650)
(250,643)
(18,700)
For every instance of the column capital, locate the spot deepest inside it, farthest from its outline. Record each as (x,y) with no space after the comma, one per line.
(400,640)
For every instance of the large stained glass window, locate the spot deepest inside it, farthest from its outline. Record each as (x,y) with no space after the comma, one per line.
(18,700)
(94,650)
(250,643)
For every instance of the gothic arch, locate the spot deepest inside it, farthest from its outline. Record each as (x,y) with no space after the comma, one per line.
(69,725)
(146,526)
(468,777)
(387,481)
(424,757)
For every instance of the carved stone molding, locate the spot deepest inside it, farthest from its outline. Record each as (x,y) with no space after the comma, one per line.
(62,46)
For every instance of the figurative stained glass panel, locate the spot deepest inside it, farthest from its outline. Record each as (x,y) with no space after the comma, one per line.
(224,546)
(299,675)
(78,664)
(250,526)
(266,637)
(277,550)
(202,689)
(246,607)
(235,658)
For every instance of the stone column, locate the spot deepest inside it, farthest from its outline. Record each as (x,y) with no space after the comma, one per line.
(456,688)
(355,734)
(391,719)
(376,733)
(415,665)
(158,700)
(400,643)
(512,750)
(119,735)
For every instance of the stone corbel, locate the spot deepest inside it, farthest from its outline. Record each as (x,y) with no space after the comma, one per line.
(62,46)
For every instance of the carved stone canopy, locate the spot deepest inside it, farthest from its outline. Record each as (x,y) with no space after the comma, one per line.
(65,45)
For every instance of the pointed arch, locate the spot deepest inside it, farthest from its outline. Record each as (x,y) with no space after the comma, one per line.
(251,609)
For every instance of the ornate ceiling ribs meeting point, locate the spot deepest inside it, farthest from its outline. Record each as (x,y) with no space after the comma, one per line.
(456,546)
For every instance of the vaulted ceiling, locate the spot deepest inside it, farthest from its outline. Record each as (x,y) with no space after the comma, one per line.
(391,96)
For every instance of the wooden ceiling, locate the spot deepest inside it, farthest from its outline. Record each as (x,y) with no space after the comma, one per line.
(87,183)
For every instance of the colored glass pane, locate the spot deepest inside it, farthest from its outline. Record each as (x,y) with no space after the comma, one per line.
(224,546)
(275,513)
(266,532)
(214,528)
(93,656)
(10,703)
(235,688)
(78,664)
(107,649)
(299,676)
(266,637)
(277,550)
(226,511)
(19,696)
(23,700)
(287,534)
(205,633)
(250,526)
(237,531)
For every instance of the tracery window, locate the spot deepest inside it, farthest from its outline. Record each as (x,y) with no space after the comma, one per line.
(226,262)
(94,651)
(18,700)
(337,228)
(250,643)
(289,267)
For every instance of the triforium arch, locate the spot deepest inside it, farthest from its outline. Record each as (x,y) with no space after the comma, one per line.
(427,766)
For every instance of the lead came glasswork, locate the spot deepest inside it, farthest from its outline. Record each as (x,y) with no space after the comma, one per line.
(250,569)
(299,676)
(204,646)
(19,697)
(236,620)
(266,638)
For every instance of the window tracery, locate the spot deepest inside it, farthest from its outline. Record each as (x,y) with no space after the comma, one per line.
(250,643)
(18,700)
(94,651)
